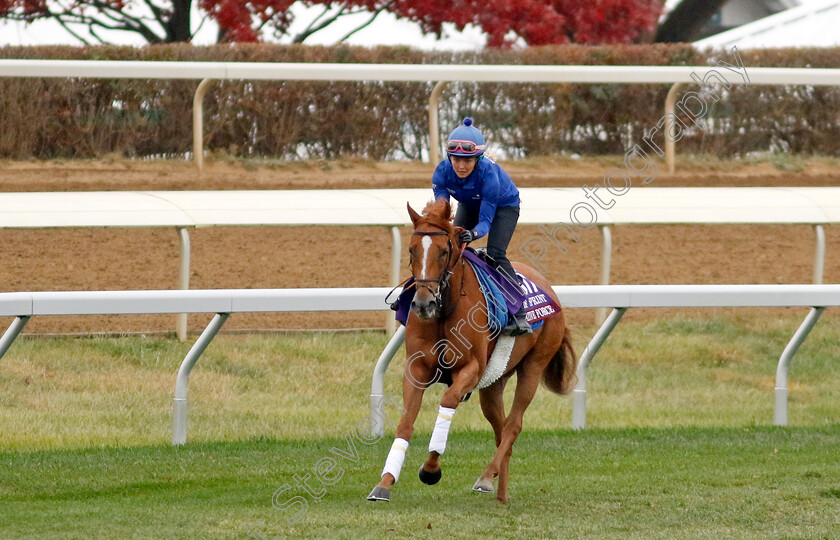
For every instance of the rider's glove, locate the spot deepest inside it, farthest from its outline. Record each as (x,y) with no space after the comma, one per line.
(467,236)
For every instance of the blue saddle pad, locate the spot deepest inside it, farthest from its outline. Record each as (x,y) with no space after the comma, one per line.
(497,309)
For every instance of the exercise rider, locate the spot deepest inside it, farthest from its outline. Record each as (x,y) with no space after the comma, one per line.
(488,202)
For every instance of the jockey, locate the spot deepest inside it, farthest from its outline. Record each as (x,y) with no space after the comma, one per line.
(488,202)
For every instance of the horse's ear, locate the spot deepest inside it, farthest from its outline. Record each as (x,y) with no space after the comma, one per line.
(415,217)
(447,210)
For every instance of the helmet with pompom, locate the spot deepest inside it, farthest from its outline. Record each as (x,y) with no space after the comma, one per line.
(465,141)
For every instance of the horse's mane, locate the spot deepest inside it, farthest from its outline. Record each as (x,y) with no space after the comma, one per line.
(439,214)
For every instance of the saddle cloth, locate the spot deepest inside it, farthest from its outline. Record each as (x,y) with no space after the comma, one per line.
(499,294)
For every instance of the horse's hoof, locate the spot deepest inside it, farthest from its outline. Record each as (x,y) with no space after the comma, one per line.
(483,485)
(380,494)
(429,478)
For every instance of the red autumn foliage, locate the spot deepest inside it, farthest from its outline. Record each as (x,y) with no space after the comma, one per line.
(540,22)
(536,22)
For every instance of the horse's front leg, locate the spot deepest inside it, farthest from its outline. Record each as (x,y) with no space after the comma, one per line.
(464,381)
(412,399)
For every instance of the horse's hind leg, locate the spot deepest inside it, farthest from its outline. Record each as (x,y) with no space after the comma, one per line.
(527,381)
(493,407)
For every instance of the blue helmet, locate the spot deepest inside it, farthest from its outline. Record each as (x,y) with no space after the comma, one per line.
(465,141)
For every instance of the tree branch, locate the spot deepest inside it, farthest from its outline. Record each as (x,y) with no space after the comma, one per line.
(365,25)
(123,21)
(156,12)
(92,31)
(105,17)
(200,26)
(310,30)
(120,21)
(68,29)
(266,21)
(316,19)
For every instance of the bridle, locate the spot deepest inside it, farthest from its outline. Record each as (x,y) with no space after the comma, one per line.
(443,279)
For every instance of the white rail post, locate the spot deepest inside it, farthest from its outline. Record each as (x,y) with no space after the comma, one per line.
(396,248)
(179,413)
(819,254)
(11,333)
(434,126)
(606,261)
(781,390)
(377,386)
(579,393)
(183,281)
(670,104)
(198,122)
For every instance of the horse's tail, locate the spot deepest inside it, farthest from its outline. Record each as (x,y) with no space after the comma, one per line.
(560,376)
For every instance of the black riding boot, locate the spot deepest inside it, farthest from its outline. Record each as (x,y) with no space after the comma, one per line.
(518,325)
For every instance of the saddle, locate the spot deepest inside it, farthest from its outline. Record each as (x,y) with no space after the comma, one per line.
(482,254)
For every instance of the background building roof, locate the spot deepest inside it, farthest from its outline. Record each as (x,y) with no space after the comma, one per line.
(812,24)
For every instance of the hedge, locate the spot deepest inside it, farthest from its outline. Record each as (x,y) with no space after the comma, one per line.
(83,118)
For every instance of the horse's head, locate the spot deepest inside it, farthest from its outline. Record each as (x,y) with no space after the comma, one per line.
(432,253)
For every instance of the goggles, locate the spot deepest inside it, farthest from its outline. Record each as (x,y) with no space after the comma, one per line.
(467,147)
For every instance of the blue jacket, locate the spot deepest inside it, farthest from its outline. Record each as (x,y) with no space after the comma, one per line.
(486,188)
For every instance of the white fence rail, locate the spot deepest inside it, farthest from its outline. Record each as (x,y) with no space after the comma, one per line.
(623,297)
(208,72)
(223,302)
(25,305)
(183,210)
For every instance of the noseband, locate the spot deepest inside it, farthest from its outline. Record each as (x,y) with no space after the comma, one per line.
(443,279)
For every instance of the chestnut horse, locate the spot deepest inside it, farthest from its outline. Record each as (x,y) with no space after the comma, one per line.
(449,340)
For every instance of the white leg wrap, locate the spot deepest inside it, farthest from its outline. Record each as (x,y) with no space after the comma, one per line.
(441,432)
(396,457)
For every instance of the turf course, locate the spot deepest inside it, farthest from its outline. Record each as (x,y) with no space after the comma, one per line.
(680,443)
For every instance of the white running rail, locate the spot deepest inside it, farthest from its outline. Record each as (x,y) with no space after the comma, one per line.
(623,297)
(225,302)
(207,72)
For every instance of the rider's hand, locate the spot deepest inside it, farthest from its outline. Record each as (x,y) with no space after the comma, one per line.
(467,236)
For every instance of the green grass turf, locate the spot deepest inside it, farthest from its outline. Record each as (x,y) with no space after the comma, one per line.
(679,443)
(617,483)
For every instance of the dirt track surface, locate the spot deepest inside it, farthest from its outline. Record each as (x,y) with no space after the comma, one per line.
(258,257)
